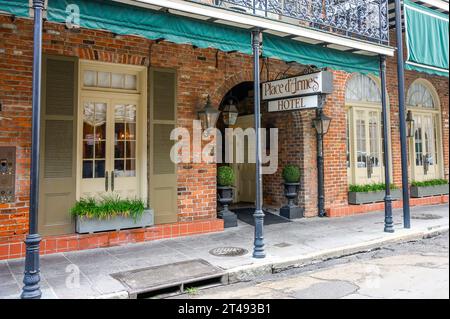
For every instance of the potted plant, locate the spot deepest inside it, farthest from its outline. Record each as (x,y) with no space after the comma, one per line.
(291,177)
(371,193)
(429,188)
(225,182)
(110,213)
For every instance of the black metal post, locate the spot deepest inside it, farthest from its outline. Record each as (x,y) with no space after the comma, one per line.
(258,250)
(401,114)
(31,280)
(320,170)
(388,220)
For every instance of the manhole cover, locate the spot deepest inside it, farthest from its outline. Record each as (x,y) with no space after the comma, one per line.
(228,251)
(426,216)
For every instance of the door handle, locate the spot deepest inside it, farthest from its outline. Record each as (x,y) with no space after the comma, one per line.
(106,181)
(112,181)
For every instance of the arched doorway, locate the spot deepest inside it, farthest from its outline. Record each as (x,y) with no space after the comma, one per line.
(244,169)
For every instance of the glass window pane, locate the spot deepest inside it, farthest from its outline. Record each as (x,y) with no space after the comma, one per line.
(120,131)
(88,150)
(419,96)
(100,169)
(131,131)
(87,169)
(117,81)
(130,167)
(119,168)
(362,88)
(130,82)
(100,150)
(88,131)
(119,150)
(90,78)
(104,79)
(130,150)
(130,115)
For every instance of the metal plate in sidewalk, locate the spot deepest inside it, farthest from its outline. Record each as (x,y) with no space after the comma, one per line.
(169,275)
(425,216)
(228,251)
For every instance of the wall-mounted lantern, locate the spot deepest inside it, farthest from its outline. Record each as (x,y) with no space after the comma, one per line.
(230,112)
(208,116)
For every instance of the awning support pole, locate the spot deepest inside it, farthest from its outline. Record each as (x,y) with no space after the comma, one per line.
(401,113)
(31,280)
(388,220)
(258,250)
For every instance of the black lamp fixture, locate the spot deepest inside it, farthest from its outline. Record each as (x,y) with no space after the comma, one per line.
(410,124)
(321,123)
(230,112)
(208,115)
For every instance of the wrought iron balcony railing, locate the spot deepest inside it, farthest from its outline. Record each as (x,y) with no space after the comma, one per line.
(361,19)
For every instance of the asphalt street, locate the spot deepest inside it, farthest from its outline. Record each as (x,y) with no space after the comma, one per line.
(418,269)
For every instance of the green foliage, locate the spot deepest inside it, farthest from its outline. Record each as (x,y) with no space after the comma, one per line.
(376,187)
(108,207)
(291,174)
(225,176)
(432,182)
(191,290)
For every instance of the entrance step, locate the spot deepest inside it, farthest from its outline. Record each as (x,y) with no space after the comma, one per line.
(171,279)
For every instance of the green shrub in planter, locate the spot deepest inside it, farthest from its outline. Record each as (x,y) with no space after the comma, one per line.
(225,176)
(376,187)
(433,182)
(291,174)
(107,208)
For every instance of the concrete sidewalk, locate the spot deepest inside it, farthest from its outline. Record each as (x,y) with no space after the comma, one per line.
(86,274)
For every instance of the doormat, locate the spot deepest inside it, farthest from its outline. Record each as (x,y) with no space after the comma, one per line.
(246,215)
(170,275)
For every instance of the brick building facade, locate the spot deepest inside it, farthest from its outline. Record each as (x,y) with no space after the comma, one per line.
(199,72)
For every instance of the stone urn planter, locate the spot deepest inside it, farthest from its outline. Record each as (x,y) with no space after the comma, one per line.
(86,225)
(291,176)
(290,210)
(425,191)
(359,198)
(225,180)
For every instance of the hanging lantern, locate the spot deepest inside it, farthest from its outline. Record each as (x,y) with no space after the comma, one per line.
(410,124)
(322,123)
(208,115)
(230,112)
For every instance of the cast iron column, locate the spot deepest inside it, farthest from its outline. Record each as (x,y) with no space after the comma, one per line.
(258,250)
(31,289)
(388,221)
(401,114)
(320,168)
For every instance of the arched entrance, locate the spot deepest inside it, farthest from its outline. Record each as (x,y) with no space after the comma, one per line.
(244,169)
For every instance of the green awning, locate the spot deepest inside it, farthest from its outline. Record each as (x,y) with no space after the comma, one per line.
(18,8)
(125,19)
(426,39)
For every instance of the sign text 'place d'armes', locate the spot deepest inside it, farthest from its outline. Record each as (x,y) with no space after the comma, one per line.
(297,92)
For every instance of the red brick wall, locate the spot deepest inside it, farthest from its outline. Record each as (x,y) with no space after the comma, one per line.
(200,72)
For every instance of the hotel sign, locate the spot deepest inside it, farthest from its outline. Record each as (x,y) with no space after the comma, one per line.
(304,85)
(297,103)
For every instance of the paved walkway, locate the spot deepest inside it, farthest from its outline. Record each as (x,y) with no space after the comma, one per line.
(85,274)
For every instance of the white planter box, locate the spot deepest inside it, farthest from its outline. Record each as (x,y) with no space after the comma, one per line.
(86,225)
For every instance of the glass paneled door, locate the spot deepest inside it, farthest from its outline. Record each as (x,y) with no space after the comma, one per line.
(109,146)
(368,156)
(425,155)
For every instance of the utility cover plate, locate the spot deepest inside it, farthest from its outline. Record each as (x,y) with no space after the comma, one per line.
(228,251)
(169,275)
(425,216)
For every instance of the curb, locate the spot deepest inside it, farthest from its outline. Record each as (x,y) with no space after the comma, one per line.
(250,272)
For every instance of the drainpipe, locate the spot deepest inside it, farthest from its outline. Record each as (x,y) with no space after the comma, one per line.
(31,280)
(401,114)
(388,220)
(258,250)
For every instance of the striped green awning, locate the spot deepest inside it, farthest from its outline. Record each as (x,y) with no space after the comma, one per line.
(426,39)
(125,19)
